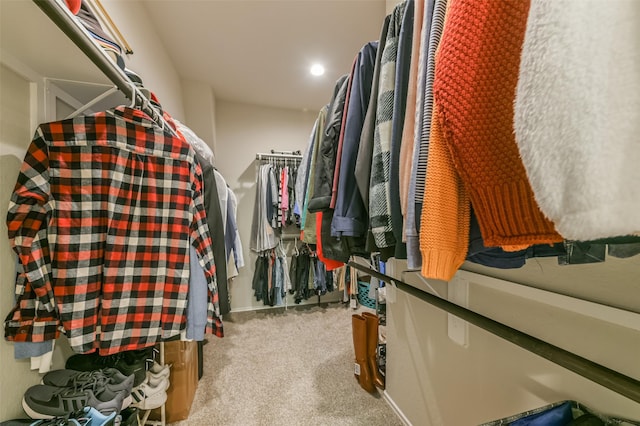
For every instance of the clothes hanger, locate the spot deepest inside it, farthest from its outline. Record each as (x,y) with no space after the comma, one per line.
(283,251)
(133,95)
(92,102)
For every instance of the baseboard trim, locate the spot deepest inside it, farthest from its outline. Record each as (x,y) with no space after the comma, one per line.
(396,409)
(308,302)
(307,305)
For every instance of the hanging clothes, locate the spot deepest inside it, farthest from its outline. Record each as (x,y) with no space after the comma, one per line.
(262,234)
(331,248)
(221,187)
(478,148)
(364,120)
(321,234)
(301,280)
(379,196)
(326,157)
(217,231)
(284,195)
(403,60)
(259,276)
(302,177)
(276,199)
(338,155)
(281,210)
(213,207)
(288,286)
(582,155)
(308,222)
(424,111)
(199,146)
(350,218)
(236,256)
(100,233)
(423,12)
(197,299)
(273,277)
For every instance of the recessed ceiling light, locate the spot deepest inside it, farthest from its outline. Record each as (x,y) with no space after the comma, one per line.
(317,70)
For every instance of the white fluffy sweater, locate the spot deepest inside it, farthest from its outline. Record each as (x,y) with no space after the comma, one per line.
(577,114)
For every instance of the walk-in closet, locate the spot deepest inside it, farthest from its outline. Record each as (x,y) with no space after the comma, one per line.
(310,212)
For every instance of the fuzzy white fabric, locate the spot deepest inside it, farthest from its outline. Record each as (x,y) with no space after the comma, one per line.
(577,114)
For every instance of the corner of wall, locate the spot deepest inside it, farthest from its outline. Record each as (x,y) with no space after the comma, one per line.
(390,5)
(200,110)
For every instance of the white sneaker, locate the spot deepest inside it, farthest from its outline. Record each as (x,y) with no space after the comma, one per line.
(147,397)
(157,381)
(157,370)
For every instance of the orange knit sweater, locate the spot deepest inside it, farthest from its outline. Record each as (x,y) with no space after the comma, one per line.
(444,221)
(476,75)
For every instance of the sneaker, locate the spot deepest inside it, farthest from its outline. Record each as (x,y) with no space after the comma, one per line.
(129,362)
(56,421)
(157,370)
(47,402)
(147,397)
(94,417)
(113,378)
(102,388)
(103,392)
(129,417)
(157,382)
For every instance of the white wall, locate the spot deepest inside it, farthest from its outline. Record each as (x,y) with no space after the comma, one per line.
(150,59)
(435,381)
(15,133)
(242,131)
(390,5)
(200,110)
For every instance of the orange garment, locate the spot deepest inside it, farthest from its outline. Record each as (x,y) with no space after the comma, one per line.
(330,264)
(446,213)
(476,74)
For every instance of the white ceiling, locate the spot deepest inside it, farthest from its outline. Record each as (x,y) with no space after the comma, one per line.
(260,51)
(252,51)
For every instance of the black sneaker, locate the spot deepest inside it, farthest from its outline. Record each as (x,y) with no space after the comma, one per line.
(56,421)
(129,362)
(47,402)
(129,417)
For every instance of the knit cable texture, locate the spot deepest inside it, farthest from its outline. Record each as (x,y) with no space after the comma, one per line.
(476,75)
(444,231)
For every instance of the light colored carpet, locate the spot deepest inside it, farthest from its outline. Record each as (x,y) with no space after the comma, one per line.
(290,367)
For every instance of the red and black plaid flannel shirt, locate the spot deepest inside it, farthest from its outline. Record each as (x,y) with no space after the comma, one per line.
(101,219)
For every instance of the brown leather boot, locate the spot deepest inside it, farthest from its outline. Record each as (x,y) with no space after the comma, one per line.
(359,325)
(372,345)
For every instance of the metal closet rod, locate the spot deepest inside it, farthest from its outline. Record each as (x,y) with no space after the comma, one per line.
(63,18)
(611,379)
(289,237)
(268,156)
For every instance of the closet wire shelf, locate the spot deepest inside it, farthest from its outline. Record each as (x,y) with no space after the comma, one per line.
(62,17)
(279,155)
(611,379)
